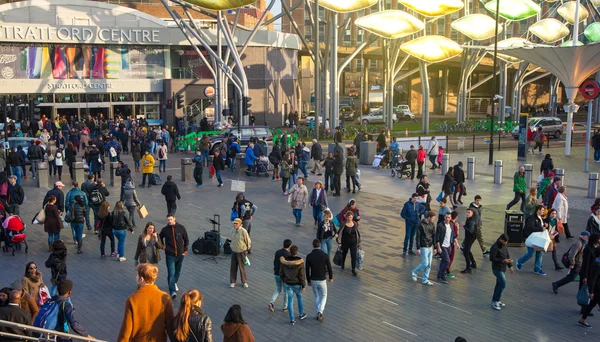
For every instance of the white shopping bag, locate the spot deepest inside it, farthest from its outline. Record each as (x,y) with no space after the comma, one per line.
(238,186)
(539,240)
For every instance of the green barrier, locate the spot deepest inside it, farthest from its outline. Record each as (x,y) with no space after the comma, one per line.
(292,138)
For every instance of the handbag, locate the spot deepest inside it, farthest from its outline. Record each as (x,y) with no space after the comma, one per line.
(539,241)
(423,199)
(440,196)
(560,226)
(69,215)
(246,261)
(337,258)
(360,258)
(142,211)
(583,295)
(44,295)
(40,217)
(234,214)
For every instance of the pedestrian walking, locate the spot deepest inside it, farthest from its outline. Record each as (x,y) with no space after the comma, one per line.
(501,260)
(552,192)
(444,239)
(421,155)
(77,217)
(316,154)
(326,232)
(219,165)
(292,274)
(121,224)
(171,193)
(97,195)
(338,169)
(136,153)
(285,173)
(470,237)
(318,267)
(234,328)
(130,200)
(352,172)
(148,246)
(147,168)
(240,245)
(328,166)
(174,238)
(67,318)
(163,150)
(199,168)
(448,187)
(477,207)
(298,199)
(57,263)
(433,152)
(593,223)
(411,159)
(349,240)
(411,213)
(453,247)
(547,165)
(561,204)
(425,243)
(593,283)
(459,180)
(104,228)
(539,138)
(318,201)
(587,263)
(519,189)
(250,159)
(35,154)
(280,285)
(552,225)
(148,312)
(531,202)
(124,172)
(53,223)
(191,323)
(575,257)
(533,224)
(423,190)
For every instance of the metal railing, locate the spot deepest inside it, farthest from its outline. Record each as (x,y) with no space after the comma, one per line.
(45,334)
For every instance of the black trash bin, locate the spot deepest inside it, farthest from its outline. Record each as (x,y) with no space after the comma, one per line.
(514,222)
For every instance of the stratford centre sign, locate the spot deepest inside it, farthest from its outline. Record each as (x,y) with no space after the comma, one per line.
(82,34)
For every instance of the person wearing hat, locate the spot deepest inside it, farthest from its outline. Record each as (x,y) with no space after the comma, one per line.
(240,244)
(16,194)
(575,261)
(58,193)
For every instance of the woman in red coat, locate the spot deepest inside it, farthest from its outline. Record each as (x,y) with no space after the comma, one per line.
(53,222)
(421,155)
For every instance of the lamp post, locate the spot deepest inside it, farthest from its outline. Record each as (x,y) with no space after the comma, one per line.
(497,18)
(318,113)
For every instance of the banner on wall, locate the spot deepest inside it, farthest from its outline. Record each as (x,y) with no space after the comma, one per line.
(62,62)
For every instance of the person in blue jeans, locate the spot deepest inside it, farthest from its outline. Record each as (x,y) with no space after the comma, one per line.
(533,224)
(425,240)
(411,213)
(304,158)
(175,240)
(293,170)
(318,201)
(280,286)
(219,165)
(121,223)
(291,272)
(77,214)
(326,232)
(500,261)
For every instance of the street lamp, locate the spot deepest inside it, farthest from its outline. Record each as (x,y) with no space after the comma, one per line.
(497,19)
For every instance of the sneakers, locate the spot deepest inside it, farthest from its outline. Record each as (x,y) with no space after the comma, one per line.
(82,236)
(519,266)
(412,253)
(486,253)
(285,310)
(302,316)
(496,306)
(554,288)
(443,281)
(414,277)
(245,285)
(320,317)
(293,322)
(113,254)
(427,282)
(174,295)
(584,324)
(232,285)
(220,185)
(271,307)
(466,271)
(176,287)
(121,259)
(450,275)
(540,272)
(500,303)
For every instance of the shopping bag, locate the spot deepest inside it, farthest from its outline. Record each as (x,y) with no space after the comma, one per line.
(39,218)
(560,226)
(44,295)
(440,196)
(246,261)
(234,214)
(142,211)
(337,258)
(360,258)
(357,174)
(583,295)
(422,199)
(539,241)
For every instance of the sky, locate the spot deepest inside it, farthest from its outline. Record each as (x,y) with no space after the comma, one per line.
(276,10)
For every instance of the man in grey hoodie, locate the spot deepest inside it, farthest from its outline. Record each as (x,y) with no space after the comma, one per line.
(425,241)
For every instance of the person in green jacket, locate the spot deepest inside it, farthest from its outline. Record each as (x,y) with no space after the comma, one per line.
(519,188)
(351,172)
(545,183)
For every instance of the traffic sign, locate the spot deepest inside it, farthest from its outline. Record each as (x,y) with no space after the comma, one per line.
(590,90)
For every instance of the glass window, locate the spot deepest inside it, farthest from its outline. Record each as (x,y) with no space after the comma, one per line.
(122,97)
(42,98)
(149,112)
(67,98)
(95,97)
(152,97)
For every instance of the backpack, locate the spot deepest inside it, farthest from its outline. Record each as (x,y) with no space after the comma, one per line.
(47,317)
(198,246)
(227,247)
(161,153)
(96,197)
(155,179)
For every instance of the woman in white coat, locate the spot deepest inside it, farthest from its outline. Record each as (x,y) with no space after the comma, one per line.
(561,204)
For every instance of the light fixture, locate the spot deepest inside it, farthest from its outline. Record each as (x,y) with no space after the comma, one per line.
(596,3)
(476,26)
(345,6)
(549,30)
(391,24)
(567,11)
(220,5)
(433,8)
(569,43)
(514,42)
(592,32)
(432,49)
(514,9)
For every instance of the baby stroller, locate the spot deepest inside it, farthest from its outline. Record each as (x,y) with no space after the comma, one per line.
(261,166)
(401,167)
(386,160)
(13,231)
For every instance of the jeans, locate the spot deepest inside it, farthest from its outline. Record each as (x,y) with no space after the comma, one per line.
(53,237)
(328,180)
(518,196)
(111,237)
(34,167)
(409,236)
(292,180)
(52,166)
(500,285)
(444,263)
(173,269)
(320,291)
(597,155)
(291,290)
(198,174)
(132,215)
(95,209)
(317,213)
(205,156)
(218,175)
(162,164)
(77,229)
(538,258)
(121,235)
(433,160)
(280,289)
(16,170)
(302,165)
(425,265)
(136,163)
(297,214)
(326,245)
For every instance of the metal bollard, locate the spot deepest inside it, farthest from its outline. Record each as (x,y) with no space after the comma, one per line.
(79,172)
(240,163)
(42,175)
(445,163)
(498,172)
(528,173)
(187,170)
(560,173)
(593,185)
(470,168)
(113,168)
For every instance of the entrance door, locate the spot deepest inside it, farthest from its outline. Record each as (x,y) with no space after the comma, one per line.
(123,110)
(72,114)
(99,113)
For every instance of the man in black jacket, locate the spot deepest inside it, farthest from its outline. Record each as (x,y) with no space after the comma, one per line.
(58,193)
(444,239)
(533,224)
(174,238)
(500,260)
(425,242)
(16,195)
(316,154)
(470,237)
(292,274)
(411,159)
(459,180)
(171,193)
(318,266)
(219,165)
(13,312)
(284,252)
(35,154)
(338,170)
(124,172)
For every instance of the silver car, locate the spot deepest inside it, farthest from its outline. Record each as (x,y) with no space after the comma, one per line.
(551,126)
(376,117)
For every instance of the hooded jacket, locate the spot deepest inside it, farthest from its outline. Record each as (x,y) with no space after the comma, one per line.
(123,172)
(170,191)
(236,332)
(291,271)
(129,196)
(147,163)
(459,174)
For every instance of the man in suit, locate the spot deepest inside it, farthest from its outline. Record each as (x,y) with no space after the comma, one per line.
(318,266)
(14,313)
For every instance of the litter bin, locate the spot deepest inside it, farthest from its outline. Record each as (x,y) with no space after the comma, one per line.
(461,143)
(514,222)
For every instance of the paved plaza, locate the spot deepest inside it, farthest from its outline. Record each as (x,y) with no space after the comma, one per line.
(381,304)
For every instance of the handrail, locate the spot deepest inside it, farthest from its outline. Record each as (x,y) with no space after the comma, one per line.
(46,335)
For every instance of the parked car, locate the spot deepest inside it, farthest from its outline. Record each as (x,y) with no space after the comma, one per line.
(376,117)
(551,126)
(245,133)
(23,141)
(311,116)
(353,93)
(403,111)
(347,113)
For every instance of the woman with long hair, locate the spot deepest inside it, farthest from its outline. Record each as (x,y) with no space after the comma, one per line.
(326,232)
(78,220)
(50,155)
(32,280)
(148,247)
(234,328)
(105,229)
(120,225)
(531,203)
(71,158)
(57,263)
(53,221)
(552,226)
(349,240)
(191,324)
(130,200)
(351,172)
(448,185)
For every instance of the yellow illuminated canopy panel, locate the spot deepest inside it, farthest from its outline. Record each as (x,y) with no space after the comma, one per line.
(514,9)
(567,11)
(476,26)
(432,49)
(508,43)
(549,30)
(390,24)
(433,8)
(220,5)
(345,6)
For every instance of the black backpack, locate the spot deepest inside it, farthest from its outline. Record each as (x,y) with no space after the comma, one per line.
(198,246)
(227,247)
(96,197)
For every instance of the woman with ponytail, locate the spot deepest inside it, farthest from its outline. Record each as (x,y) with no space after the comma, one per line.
(191,324)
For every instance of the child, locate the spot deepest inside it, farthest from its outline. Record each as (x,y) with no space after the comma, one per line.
(477,212)
(199,163)
(57,263)
(439,157)
(443,210)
